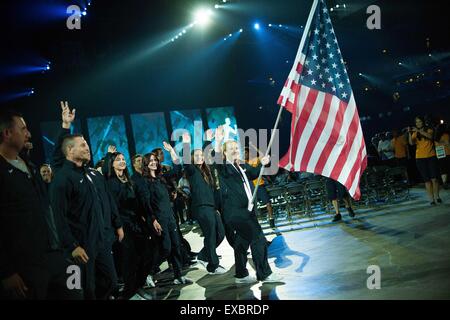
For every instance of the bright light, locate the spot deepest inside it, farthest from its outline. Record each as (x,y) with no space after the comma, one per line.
(184,31)
(399,63)
(331,9)
(48,68)
(280,25)
(270,24)
(224,1)
(203,16)
(230,35)
(256,26)
(84,13)
(240,30)
(442,121)
(360,74)
(217,6)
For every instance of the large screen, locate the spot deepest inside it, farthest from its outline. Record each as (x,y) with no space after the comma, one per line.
(225,117)
(149,131)
(105,131)
(190,121)
(50,131)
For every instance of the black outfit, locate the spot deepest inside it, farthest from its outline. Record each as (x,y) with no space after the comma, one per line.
(162,208)
(203,205)
(335,190)
(428,168)
(135,258)
(31,237)
(234,203)
(91,216)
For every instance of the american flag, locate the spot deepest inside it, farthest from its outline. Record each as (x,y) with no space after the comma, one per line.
(326,134)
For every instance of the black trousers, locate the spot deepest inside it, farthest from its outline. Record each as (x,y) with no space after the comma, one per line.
(135,261)
(230,233)
(213,232)
(249,234)
(170,245)
(99,277)
(48,282)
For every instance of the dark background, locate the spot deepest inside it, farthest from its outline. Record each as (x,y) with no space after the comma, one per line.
(113,65)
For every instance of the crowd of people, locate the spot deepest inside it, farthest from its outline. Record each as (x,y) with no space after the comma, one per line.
(423,148)
(115,227)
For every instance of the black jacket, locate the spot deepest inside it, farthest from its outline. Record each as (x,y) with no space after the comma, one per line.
(132,200)
(233,199)
(202,193)
(81,195)
(28,226)
(160,200)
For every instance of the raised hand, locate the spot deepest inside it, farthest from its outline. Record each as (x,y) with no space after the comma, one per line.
(209,135)
(167,147)
(186,138)
(112,149)
(220,133)
(265,160)
(67,116)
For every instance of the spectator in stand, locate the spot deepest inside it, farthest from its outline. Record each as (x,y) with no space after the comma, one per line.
(386,149)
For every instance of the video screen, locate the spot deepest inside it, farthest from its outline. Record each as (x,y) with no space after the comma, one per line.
(149,131)
(105,131)
(190,120)
(223,116)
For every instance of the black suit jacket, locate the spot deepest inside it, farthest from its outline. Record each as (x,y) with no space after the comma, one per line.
(233,199)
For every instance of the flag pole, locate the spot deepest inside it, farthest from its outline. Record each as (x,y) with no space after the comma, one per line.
(299,52)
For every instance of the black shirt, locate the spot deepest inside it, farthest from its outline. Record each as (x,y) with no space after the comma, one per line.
(28,226)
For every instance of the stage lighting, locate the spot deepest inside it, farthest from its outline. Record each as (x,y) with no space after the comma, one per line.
(230,35)
(280,25)
(203,16)
(84,13)
(240,30)
(48,67)
(216,6)
(442,121)
(360,74)
(256,26)
(270,24)
(224,1)
(399,63)
(331,9)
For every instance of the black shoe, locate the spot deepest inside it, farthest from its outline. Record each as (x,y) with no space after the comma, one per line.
(432,203)
(337,217)
(351,213)
(439,200)
(272,223)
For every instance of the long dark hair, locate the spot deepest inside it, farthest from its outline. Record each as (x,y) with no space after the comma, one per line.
(424,127)
(111,173)
(145,168)
(204,169)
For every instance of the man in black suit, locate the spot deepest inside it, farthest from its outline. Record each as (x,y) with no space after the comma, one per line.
(238,211)
(33,264)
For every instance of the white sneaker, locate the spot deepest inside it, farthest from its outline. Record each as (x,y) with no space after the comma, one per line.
(202,262)
(149,282)
(182,280)
(247,279)
(219,270)
(273,278)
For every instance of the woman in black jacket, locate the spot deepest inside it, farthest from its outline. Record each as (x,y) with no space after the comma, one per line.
(162,208)
(134,256)
(204,209)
